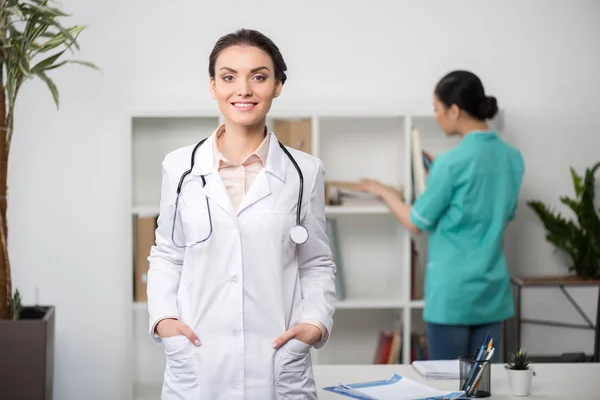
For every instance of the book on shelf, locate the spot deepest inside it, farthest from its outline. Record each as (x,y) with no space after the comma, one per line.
(421,164)
(417,275)
(340,193)
(334,242)
(143,238)
(389,348)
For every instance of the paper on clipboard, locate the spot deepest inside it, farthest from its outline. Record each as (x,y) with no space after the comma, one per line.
(438,369)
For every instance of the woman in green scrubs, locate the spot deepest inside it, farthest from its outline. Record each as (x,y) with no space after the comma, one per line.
(470,196)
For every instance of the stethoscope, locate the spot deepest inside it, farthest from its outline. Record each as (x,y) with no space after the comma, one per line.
(298,233)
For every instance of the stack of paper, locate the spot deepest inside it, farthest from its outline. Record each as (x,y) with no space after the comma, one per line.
(395,388)
(440,369)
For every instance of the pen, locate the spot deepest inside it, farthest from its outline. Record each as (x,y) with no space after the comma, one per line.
(353,391)
(478,357)
(479,374)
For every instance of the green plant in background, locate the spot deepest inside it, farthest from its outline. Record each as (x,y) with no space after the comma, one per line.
(32,43)
(579,238)
(519,361)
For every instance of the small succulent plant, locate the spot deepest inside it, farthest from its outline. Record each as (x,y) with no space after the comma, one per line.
(520,361)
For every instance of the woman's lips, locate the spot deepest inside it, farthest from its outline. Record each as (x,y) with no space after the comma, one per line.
(244,106)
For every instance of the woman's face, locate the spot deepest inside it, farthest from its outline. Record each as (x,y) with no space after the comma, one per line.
(445,117)
(244,84)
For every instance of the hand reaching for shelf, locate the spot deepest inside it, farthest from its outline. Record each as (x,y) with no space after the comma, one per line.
(374,187)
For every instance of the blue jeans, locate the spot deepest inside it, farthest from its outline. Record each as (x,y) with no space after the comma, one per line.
(449,342)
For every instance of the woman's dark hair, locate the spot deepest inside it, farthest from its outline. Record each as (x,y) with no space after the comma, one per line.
(465,89)
(249,37)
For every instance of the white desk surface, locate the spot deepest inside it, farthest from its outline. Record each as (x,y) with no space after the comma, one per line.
(579,381)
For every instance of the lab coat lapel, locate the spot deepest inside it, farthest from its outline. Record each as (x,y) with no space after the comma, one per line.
(215,188)
(275,167)
(259,190)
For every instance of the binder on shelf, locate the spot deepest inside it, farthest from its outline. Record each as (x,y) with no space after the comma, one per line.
(144,237)
(334,242)
(338,193)
(294,133)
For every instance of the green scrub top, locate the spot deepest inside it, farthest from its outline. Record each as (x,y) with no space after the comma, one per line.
(470,196)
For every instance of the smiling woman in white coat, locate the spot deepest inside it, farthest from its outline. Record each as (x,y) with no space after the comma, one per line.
(241,278)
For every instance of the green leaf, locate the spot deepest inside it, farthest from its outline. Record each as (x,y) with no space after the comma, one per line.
(60,38)
(15,10)
(576,182)
(84,63)
(44,64)
(69,37)
(42,75)
(10,87)
(54,66)
(47,11)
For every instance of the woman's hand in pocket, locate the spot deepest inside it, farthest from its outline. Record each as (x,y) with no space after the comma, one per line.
(307,333)
(173,327)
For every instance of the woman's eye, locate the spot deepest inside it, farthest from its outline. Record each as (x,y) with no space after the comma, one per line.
(228,78)
(260,77)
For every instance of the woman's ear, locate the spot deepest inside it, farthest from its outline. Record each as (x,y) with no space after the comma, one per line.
(213,88)
(454,112)
(278,87)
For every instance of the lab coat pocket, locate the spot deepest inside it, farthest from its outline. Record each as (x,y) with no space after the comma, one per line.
(180,368)
(294,372)
(196,222)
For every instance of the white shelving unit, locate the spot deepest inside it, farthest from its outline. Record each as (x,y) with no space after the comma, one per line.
(375,248)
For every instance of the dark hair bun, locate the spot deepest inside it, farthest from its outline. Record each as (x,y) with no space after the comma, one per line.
(465,89)
(488,108)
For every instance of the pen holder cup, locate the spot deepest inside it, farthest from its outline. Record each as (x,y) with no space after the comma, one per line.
(475,376)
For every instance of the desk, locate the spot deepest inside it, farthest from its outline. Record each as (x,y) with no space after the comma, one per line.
(579,381)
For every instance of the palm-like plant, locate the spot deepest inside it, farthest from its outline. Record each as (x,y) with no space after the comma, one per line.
(580,239)
(32,43)
(519,361)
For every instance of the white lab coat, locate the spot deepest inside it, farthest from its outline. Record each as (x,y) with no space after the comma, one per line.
(246,284)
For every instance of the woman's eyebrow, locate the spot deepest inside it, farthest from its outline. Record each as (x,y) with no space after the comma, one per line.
(253,69)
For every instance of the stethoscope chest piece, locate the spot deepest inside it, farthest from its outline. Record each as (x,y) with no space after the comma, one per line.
(299,234)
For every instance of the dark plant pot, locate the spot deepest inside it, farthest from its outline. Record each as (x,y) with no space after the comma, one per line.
(27,355)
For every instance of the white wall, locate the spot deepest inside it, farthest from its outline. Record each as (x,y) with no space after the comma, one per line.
(69,177)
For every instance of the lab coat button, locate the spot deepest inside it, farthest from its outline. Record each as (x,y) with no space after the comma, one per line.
(234,278)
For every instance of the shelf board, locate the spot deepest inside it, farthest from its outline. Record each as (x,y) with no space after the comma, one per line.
(145,211)
(368,209)
(340,304)
(367,304)
(374,208)
(417,303)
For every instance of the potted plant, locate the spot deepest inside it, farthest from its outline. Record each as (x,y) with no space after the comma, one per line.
(579,239)
(520,374)
(32,44)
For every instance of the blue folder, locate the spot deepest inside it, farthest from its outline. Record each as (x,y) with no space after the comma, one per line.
(343,390)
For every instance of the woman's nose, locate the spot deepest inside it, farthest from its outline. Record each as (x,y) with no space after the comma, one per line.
(244,89)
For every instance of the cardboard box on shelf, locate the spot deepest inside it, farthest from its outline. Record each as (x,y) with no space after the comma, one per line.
(144,237)
(294,133)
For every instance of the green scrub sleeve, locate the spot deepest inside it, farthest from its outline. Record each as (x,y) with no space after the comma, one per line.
(427,208)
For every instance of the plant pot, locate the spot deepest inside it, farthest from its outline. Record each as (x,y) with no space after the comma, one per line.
(520,381)
(27,349)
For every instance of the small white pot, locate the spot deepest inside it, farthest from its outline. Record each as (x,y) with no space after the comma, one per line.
(520,381)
